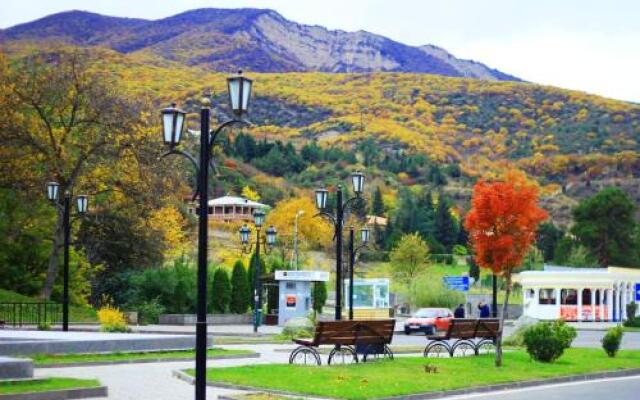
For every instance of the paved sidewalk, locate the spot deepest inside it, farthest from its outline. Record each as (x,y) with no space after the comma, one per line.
(155,381)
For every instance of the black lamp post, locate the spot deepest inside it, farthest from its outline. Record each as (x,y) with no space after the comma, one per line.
(337,220)
(267,243)
(173,125)
(364,240)
(82,202)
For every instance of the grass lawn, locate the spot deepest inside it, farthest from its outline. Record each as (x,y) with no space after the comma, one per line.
(47,359)
(406,375)
(631,329)
(45,385)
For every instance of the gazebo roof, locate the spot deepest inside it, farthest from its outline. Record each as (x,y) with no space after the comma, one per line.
(236,201)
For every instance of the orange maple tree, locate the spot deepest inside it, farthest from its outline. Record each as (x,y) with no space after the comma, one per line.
(502,225)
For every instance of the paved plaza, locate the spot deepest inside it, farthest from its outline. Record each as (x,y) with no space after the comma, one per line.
(154,381)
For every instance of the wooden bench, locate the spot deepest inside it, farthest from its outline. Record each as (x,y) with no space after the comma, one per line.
(469,336)
(349,338)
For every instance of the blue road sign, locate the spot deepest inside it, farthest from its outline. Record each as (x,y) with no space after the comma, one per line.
(460,283)
(637,292)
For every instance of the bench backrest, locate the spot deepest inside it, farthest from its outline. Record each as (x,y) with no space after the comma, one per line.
(488,328)
(463,328)
(354,332)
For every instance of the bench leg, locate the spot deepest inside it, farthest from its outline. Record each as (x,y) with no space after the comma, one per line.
(437,349)
(305,355)
(342,355)
(486,346)
(463,348)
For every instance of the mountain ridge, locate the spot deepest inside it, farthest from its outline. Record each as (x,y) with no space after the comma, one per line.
(254,39)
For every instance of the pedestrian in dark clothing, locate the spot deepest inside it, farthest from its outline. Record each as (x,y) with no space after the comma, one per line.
(459,312)
(485,312)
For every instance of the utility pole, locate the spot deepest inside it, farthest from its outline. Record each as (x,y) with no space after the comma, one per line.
(295,239)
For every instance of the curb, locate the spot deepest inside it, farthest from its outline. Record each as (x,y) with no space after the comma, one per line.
(100,391)
(518,385)
(445,393)
(144,361)
(191,380)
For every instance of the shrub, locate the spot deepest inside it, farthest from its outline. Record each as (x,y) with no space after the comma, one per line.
(112,320)
(239,289)
(220,291)
(460,250)
(149,312)
(611,340)
(319,296)
(516,338)
(174,287)
(546,341)
(429,292)
(632,321)
(44,326)
(300,327)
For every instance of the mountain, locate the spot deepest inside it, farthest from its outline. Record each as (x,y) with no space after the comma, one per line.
(258,40)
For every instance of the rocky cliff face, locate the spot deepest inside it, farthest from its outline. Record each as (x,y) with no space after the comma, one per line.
(251,39)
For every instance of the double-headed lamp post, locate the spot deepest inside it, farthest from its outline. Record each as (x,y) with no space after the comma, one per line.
(353,250)
(173,118)
(82,202)
(267,243)
(337,220)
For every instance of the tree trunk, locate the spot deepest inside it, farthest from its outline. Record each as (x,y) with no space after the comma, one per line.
(504,313)
(52,269)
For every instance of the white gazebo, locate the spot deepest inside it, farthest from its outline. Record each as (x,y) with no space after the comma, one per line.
(231,208)
(579,294)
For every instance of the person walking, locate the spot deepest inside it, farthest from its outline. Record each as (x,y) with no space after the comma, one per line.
(485,312)
(459,311)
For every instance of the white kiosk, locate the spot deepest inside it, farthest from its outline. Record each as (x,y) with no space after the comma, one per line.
(295,292)
(579,294)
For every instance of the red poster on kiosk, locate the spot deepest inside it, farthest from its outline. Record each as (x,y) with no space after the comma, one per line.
(291,301)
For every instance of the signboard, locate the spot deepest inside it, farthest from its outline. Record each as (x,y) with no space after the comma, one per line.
(637,292)
(460,283)
(306,276)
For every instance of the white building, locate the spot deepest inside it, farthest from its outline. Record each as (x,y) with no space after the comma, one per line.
(230,208)
(579,294)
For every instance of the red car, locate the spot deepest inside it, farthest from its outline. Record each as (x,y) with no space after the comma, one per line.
(429,321)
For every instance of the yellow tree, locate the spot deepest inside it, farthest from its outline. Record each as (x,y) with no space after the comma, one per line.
(312,231)
(65,119)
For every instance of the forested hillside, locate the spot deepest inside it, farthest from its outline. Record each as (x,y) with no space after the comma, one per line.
(402,126)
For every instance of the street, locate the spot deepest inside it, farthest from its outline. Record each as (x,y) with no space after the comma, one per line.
(631,340)
(627,388)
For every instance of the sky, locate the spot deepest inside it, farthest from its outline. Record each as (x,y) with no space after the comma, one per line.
(587,45)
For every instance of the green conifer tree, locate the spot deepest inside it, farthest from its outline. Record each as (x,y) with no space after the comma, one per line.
(239,289)
(220,291)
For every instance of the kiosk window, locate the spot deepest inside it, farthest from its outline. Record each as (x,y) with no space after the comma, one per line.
(569,297)
(547,296)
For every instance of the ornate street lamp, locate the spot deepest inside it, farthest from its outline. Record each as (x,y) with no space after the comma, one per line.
(239,93)
(261,242)
(321,198)
(364,240)
(337,220)
(172,127)
(82,202)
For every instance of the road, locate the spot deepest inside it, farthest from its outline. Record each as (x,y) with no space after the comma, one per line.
(627,388)
(630,341)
